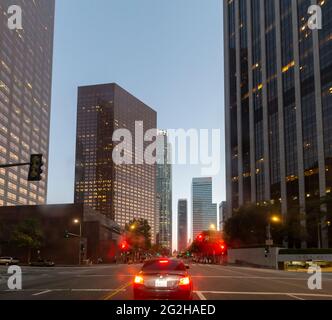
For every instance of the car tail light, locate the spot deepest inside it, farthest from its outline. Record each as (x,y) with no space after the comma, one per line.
(184,281)
(139,280)
(163,261)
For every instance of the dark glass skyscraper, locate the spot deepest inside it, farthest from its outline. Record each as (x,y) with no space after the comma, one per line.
(164,191)
(203,210)
(182,224)
(278,77)
(25,98)
(120,191)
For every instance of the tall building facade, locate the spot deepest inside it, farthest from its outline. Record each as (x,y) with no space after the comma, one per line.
(222,215)
(26,57)
(164,190)
(182,224)
(278,77)
(204,212)
(120,191)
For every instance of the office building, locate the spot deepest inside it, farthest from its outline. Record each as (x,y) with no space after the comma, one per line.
(279,90)
(222,215)
(164,190)
(120,191)
(204,212)
(26,57)
(182,224)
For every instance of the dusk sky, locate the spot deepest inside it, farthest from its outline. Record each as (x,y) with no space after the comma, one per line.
(168,54)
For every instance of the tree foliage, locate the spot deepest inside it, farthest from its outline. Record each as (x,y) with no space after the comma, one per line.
(247,226)
(28,234)
(138,234)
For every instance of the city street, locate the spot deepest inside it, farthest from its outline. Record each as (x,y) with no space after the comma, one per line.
(211,282)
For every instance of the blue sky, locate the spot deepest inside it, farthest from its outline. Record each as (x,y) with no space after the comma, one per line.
(167,53)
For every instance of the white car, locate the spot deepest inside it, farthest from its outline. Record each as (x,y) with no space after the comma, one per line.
(8,261)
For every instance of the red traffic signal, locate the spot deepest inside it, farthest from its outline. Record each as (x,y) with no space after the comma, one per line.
(124,245)
(223,248)
(200,237)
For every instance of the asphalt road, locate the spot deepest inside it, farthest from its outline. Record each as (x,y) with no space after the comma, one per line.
(211,282)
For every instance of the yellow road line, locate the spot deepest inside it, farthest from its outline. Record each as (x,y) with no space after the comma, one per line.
(117,291)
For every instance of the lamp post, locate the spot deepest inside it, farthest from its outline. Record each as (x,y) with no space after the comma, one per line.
(272,219)
(77,221)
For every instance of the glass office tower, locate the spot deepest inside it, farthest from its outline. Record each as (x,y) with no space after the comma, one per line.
(164,190)
(25,98)
(120,191)
(204,212)
(278,78)
(182,224)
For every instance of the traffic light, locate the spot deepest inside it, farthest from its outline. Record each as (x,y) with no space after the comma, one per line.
(200,237)
(223,248)
(35,171)
(267,251)
(66,234)
(124,245)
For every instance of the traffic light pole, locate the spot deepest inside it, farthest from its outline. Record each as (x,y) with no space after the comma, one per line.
(14,165)
(35,167)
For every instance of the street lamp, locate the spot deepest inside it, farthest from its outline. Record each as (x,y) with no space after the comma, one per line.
(77,221)
(132,227)
(212,227)
(272,219)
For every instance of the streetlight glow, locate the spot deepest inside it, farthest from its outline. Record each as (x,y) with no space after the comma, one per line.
(213,227)
(276,219)
(76,221)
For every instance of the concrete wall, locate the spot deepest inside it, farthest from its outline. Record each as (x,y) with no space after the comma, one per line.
(254,257)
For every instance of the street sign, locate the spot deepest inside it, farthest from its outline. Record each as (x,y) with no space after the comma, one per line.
(269,242)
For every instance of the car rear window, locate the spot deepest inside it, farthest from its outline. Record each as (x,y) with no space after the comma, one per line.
(162,265)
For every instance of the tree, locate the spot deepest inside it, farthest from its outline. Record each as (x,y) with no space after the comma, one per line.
(28,234)
(138,234)
(295,230)
(247,226)
(317,211)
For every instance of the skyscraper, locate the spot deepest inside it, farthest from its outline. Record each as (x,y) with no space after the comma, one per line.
(279,90)
(25,98)
(222,215)
(164,190)
(203,210)
(182,224)
(120,191)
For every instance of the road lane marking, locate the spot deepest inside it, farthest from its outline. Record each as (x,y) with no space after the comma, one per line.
(121,289)
(102,275)
(200,295)
(42,292)
(295,294)
(254,277)
(295,297)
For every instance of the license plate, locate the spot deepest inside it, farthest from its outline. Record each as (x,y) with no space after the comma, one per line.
(161,283)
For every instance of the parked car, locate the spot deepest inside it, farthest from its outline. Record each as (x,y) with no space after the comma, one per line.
(7,261)
(42,263)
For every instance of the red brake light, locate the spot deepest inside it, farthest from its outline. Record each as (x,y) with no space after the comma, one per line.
(222,247)
(163,261)
(184,281)
(139,280)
